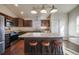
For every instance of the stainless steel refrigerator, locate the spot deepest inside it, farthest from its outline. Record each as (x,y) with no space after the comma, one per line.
(2,35)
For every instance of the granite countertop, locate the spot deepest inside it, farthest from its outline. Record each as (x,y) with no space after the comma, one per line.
(9,31)
(40,35)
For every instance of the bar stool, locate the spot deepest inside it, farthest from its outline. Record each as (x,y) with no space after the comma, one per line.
(46,50)
(58,47)
(52,46)
(33,46)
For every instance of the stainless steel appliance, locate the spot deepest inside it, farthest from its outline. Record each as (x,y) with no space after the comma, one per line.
(2,35)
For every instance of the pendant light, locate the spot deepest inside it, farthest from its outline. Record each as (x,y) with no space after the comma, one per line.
(53,10)
(43,9)
(33,11)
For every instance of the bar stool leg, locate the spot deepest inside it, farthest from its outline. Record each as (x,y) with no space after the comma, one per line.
(46,50)
(49,50)
(34,50)
(30,50)
(54,51)
(43,51)
(61,50)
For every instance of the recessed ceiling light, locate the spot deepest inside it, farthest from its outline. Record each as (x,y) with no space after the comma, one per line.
(16,5)
(22,12)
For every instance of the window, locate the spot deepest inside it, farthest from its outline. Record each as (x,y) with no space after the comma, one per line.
(77,24)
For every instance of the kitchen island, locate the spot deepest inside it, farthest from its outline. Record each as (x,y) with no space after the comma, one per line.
(55,40)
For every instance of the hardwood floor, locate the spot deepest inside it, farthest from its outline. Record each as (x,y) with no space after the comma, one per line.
(71,46)
(16,49)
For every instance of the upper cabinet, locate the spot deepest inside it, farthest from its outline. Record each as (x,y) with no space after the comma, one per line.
(27,23)
(18,22)
(8,22)
(45,23)
(15,22)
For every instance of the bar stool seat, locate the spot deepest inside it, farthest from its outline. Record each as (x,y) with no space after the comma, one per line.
(57,43)
(33,43)
(46,48)
(33,46)
(58,47)
(45,43)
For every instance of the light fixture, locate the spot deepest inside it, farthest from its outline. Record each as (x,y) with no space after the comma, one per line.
(33,11)
(16,5)
(22,12)
(43,9)
(53,10)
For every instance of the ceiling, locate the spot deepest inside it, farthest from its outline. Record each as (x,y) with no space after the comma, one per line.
(26,8)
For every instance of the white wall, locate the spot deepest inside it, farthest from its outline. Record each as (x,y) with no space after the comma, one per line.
(6,11)
(57,21)
(72,25)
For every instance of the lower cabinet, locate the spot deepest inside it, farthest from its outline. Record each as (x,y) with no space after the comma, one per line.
(7,40)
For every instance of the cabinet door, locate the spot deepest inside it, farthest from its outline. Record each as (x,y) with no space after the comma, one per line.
(27,23)
(20,22)
(15,22)
(45,23)
(9,21)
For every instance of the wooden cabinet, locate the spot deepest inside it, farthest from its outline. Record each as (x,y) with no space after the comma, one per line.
(15,22)
(27,23)
(7,40)
(45,23)
(18,22)
(8,21)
